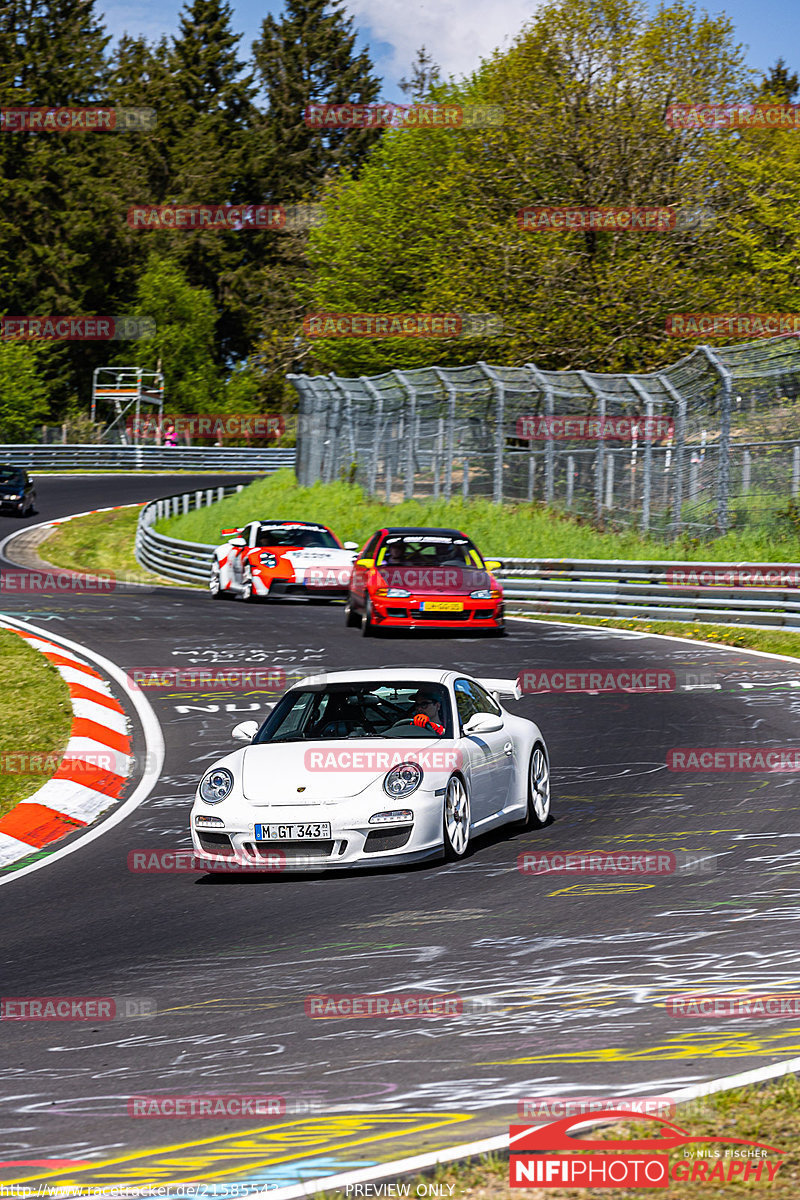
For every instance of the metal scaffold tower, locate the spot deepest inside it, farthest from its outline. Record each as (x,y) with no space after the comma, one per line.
(128,389)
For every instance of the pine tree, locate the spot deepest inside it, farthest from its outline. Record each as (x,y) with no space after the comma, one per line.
(780,84)
(425,74)
(309,57)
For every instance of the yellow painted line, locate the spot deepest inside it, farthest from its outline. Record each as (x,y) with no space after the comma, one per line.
(611,887)
(692,1045)
(210,1158)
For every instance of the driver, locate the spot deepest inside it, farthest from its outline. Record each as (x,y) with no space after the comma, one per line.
(428,711)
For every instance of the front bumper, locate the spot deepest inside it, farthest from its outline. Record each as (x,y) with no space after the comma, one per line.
(407,613)
(353,841)
(15,505)
(289,587)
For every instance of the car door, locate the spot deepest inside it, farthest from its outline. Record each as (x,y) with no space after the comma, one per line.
(361,569)
(239,555)
(492,755)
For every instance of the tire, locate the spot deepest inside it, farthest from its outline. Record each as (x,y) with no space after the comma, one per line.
(351,618)
(538,812)
(214,583)
(367,628)
(455,819)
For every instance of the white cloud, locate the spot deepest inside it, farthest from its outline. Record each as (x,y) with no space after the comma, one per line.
(456,33)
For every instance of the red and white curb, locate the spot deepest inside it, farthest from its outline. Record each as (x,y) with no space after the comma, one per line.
(98,751)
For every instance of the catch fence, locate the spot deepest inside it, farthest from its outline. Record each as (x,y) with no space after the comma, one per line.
(710,443)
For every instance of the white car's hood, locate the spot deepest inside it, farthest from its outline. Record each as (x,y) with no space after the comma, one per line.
(296,773)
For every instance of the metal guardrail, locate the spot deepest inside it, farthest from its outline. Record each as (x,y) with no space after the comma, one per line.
(185,562)
(585,587)
(145,458)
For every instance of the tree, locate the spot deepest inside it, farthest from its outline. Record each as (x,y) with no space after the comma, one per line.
(431,224)
(23,389)
(184,339)
(309,57)
(779,84)
(424,76)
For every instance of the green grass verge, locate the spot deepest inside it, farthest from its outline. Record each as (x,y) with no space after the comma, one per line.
(35,715)
(500,530)
(770,641)
(100,543)
(768,1114)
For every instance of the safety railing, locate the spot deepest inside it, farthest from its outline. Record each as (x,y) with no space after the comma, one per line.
(725,593)
(145,458)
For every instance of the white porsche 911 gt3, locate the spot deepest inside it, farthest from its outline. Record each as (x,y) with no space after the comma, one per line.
(371,766)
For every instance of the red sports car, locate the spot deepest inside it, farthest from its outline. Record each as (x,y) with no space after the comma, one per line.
(413,578)
(273,558)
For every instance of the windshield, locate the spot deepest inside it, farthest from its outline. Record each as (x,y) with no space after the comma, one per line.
(364,709)
(11,475)
(300,536)
(428,551)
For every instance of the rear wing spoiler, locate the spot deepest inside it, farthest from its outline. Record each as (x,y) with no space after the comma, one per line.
(503,687)
(230,533)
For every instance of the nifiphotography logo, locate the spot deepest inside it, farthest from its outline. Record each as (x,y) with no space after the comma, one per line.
(636,1162)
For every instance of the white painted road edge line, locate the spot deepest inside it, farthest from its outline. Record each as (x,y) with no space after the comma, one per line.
(421,1162)
(636,634)
(154,745)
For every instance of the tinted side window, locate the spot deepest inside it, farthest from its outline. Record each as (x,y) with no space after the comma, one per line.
(369,549)
(466,700)
(487,702)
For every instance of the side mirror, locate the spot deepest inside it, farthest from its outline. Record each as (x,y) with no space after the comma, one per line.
(492,564)
(245,731)
(366,563)
(351,545)
(238,541)
(483,723)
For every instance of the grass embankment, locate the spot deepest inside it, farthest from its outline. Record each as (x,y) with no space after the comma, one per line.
(769,1114)
(101,544)
(504,530)
(35,717)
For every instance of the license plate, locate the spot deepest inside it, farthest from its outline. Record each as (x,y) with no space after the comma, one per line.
(292,833)
(441,606)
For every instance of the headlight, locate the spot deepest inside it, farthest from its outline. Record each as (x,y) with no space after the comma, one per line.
(485,594)
(397,592)
(216,785)
(269,560)
(402,780)
(11,496)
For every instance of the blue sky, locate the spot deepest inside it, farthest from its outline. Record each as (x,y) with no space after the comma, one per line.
(457,32)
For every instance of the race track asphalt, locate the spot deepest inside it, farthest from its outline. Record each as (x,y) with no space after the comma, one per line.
(579,967)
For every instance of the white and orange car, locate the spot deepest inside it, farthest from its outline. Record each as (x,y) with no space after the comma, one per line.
(278,558)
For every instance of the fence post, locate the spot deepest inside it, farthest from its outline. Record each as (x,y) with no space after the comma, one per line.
(610,482)
(451,431)
(465,477)
(377,434)
(724,470)
(570,480)
(498,388)
(408,490)
(549,447)
(680,450)
(600,452)
(648,449)
(745,472)
(531,476)
(796,472)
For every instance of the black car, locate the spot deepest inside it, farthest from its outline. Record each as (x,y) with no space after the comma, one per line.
(17,492)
